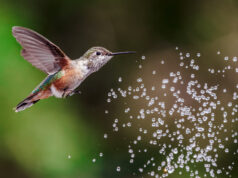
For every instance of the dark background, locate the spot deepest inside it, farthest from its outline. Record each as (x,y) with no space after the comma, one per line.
(37,141)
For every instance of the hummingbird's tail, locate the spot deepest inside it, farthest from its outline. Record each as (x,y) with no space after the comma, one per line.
(26,103)
(32,99)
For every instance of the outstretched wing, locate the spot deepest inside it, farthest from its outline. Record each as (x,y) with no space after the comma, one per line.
(39,51)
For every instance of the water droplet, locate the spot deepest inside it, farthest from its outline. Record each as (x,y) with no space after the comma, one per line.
(139,80)
(118,169)
(105,136)
(120,79)
(165,81)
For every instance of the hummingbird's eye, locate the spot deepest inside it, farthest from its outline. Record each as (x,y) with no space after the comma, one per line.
(98,53)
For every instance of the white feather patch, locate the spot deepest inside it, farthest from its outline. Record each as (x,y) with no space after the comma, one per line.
(56,92)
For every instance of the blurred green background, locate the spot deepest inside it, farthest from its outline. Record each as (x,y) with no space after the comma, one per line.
(38,141)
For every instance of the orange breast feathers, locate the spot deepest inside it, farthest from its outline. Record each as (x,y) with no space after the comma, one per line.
(70,78)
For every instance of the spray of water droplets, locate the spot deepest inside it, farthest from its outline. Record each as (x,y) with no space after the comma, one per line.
(182,124)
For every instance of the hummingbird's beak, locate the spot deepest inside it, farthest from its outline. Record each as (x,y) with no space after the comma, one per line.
(125,52)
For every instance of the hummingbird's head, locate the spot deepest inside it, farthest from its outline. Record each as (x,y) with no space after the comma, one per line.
(98,56)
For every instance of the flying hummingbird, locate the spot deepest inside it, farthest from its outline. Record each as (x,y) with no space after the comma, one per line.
(64,74)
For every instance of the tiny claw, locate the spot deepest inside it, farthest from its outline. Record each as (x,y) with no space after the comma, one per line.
(78,92)
(74,92)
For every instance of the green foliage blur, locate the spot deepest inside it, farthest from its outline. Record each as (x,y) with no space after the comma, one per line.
(38,141)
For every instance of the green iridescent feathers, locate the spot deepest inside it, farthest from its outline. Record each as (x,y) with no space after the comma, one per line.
(48,80)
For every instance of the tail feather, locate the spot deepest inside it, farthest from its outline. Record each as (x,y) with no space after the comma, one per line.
(26,103)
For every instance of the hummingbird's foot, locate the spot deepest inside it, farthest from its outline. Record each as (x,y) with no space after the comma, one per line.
(77,92)
(74,92)
(66,92)
(65,95)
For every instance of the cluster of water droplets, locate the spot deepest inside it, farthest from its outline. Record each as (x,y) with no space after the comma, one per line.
(183,124)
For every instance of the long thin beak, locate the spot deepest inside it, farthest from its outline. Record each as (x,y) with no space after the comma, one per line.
(125,52)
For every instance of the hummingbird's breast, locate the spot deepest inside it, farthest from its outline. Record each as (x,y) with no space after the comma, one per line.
(72,76)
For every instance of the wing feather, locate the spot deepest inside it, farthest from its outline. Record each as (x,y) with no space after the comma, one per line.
(39,51)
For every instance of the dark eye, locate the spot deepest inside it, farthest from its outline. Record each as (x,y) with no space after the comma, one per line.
(98,53)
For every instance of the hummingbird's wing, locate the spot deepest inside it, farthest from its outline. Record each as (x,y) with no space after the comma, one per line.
(39,51)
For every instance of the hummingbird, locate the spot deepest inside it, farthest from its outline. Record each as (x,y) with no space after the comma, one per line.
(63,74)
